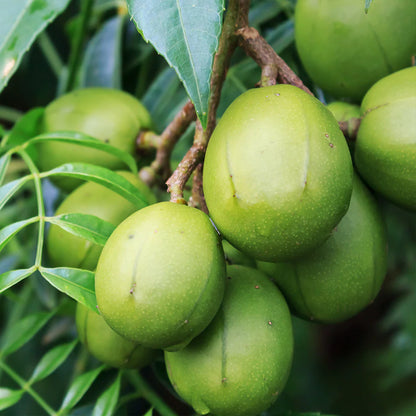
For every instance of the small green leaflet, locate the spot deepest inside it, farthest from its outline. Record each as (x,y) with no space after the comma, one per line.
(367,5)
(10,188)
(4,164)
(107,402)
(9,231)
(20,23)
(9,397)
(12,277)
(76,283)
(186,33)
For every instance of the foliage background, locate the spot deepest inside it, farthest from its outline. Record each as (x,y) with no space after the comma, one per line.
(365,366)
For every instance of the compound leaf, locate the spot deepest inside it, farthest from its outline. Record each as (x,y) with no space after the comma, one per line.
(10,188)
(12,277)
(107,402)
(186,34)
(9,231)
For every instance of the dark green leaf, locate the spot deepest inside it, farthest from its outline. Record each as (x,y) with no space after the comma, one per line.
(367,5)
(186,34)
(11,230)
(102,62)
(87,141)
(12,277)
(103,176)
(79,387)
(76,283)
(24,330)
(52,360)
(9,397)
(107,402)
(86,226)
(20,22)
(4,164)
(10,188)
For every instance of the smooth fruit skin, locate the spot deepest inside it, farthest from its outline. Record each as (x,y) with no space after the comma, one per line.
(343,111)
(277,173)
(345,51)
(161,276)
(344,275)
(106,345)
(385,150)
(234,256)
(239,365)
(68,250)
(109,115)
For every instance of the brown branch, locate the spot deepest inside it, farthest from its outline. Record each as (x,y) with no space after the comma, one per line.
(272,65)
(195,155)
(350,128)
(197,199)
(165,143)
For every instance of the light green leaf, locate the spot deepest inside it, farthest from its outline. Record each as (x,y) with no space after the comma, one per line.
(87,141)
(76,283)
(10,188)
(24,330)
(107,402)
(8,232)
(103,176)
(150,412)
(102,62)
(186,34)
(52,360)
(20,23)
(4,164)
(85,226)
(9,397)
(78,388)
(367,5)
(12,277)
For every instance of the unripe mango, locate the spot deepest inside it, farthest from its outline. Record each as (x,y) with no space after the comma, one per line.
(161,275)
(277,173)
(343,111)
(337,280)
(108,346)
(346,50)
(66,249)
(385,150)
(239,365)
(109,115)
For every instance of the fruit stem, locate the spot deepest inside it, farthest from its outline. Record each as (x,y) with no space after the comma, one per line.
(350,128)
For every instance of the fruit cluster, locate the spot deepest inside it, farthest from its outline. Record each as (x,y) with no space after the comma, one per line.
(297,222)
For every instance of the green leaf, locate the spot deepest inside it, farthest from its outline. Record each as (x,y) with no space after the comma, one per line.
(8,232)
(186,34)
(20,23)
(4,164)
(86,226)
(24,330)
(103,176)
(78,388)
(76,283)
(150,412)
(26,127)
(12,277)
(9,397)
(10,188)
(87,141)
(107,402)
(52,360)
(102,62)
(367,5)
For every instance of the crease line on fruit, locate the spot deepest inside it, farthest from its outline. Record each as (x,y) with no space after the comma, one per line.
(308,311)
(307,154)
(390,69)
(133,285)
(230,174)
(223,349)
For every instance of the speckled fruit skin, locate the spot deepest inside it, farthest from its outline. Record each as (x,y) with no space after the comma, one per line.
(344,111)
(234,256)
(239,365)
(277,173)
(68,250)
(385,150)
(345,50)
(112,116)
(106,345)
(344,275)
(161,276)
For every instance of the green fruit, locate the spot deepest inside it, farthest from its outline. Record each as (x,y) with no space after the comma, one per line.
(385,150)
(277,173)
(111,116)
(344,111)
(106,345)
(234,256)
(344,275)
(345,50)
(68,250)
(160,278)
(240,363)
